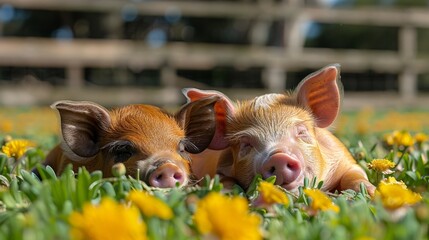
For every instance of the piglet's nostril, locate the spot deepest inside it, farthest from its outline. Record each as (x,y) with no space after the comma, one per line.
(293,165)
(159,177)
(268,172)
(167,175)
(178,176)
(283,166)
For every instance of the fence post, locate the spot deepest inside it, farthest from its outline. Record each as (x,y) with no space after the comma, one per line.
(170,94)
(74,76)
(407,51)
(274,78)
(294,36)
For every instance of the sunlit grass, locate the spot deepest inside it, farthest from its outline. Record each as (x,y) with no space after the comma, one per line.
(392,148)
(39,124)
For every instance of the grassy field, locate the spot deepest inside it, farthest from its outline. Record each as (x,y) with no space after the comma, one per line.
(392,147)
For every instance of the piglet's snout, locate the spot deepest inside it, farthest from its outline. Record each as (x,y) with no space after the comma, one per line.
(286,168)
(167,176)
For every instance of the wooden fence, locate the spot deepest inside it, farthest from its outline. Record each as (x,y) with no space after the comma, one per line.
(77,54)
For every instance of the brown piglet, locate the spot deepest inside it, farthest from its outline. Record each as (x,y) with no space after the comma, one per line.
(284,135)
(146,139)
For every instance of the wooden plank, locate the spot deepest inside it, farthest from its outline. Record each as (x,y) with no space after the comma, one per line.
(376,16)
(172,98)
(236,9)
(108,96)
(385,17)
(124,53)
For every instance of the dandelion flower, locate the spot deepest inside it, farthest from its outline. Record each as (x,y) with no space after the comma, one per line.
(108,220)
(421,137)
(403,138)
(226,218)
(393,181)
(320,201)
(395,194)
(271,194)
(150,205)
(389,139)
(382,165)
(16,148)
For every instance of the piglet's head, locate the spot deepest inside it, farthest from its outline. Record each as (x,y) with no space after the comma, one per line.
(146,139)
(275,134)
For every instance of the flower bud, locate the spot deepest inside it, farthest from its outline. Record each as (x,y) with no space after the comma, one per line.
(6,139)
(360,155)
(422,212)
(118,170)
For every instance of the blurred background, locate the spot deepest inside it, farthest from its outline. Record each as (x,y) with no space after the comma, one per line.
(116,52)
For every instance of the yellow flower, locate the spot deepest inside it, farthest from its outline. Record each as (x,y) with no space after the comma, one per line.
(109,220)
(226,218)
(16,148)
(320,201)
(150,205)
(381,165)
(403,138)
(395,194)
(421,137)
(362,127)
(271,194)
(393,181)
(365,238)
(6,126)
(389,139)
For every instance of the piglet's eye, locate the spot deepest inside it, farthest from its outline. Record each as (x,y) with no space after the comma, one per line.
(184,148)
(245,147)
(303,134)
(122,151)
(301,130)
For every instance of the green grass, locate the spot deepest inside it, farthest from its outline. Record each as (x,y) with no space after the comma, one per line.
(33,209)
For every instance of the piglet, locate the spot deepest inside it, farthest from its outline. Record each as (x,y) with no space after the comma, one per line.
(284,135)
(147,140)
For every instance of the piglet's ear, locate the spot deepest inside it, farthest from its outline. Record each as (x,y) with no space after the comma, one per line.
(82,123)
(321,93)
(222,109)
(197,118)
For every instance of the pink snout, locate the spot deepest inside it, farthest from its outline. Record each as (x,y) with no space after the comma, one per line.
(167,175)
(284,167)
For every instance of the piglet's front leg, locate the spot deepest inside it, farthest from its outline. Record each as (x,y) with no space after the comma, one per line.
(353,178)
